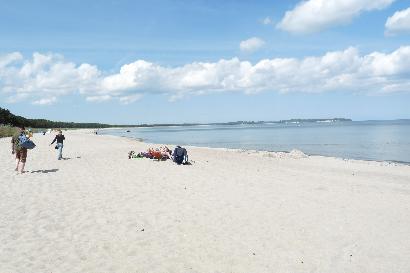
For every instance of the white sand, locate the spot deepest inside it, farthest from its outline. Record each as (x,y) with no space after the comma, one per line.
(230,211)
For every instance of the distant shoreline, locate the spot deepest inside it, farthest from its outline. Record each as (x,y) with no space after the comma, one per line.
(286,121)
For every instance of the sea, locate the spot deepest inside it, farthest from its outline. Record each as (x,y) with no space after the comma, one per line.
(365,140)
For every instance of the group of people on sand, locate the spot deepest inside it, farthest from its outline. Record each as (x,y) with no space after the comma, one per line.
(179,155)
(19,146)
(161,153)
(20,140)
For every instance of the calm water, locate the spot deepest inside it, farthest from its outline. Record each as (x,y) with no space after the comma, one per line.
(369,140)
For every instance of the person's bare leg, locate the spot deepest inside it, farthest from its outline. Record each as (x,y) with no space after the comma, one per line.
(17,164)
(22,167)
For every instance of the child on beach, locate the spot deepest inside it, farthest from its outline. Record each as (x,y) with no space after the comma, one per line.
(60,139)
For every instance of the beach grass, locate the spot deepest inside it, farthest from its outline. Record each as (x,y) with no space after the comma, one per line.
(7,131)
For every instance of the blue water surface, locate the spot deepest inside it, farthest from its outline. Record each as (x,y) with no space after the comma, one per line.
(368,140)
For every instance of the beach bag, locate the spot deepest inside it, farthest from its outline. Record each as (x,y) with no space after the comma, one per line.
(25,142)
(22,138)
(28,145)
(179,154)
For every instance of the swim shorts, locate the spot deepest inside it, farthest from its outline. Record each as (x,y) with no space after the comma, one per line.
(21,155)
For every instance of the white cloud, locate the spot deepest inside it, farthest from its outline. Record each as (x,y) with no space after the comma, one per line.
(316,15)
(130,99)
(45,101)
(101,98)
(44,75)
(10,58)
(45,78)
(267,21)
(399,22)
(252,44)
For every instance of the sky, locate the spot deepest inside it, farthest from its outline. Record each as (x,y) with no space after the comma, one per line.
(163,61)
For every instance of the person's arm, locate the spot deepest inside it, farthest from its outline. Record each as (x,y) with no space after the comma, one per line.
(55,138)
(63,137)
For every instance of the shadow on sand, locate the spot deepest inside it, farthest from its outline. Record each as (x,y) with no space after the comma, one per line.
(68,158)
(45,171)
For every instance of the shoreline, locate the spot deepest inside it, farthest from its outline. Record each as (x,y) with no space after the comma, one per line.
(89,131)
(389,162)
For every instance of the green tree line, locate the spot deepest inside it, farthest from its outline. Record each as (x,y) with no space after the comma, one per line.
(8,118)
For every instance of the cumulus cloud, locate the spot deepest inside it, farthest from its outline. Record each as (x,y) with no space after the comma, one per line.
(345,70)
(252,44)
(398,23)
(316,15)
(45,75)
(44,78)
(10,58)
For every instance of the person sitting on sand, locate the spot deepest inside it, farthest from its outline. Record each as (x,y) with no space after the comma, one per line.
(60,139)
(20,152)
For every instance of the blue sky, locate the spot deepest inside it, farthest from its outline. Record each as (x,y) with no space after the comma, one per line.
(129,62)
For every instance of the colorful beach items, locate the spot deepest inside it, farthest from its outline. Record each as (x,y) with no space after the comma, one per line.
(179,156)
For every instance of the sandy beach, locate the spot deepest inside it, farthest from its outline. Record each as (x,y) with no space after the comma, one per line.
(230,211)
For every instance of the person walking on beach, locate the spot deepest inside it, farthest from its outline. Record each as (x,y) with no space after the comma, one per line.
(60,139)
(20,152)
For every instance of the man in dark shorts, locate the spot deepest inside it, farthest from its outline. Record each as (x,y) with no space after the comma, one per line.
(20,152)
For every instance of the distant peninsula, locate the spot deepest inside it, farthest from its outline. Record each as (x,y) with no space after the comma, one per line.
(241,122)
(7,118)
